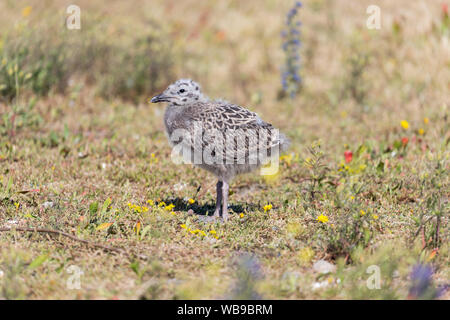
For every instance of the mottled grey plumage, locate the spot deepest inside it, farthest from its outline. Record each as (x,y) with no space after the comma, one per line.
(233,140)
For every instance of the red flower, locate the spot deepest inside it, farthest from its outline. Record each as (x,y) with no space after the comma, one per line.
(405,141)
(348,156)
(444,9)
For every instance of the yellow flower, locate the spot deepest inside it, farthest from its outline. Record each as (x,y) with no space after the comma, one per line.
(151,202)
(17,205)
(26,11)
(287,158)
(421,132)
(306,255)
(404,124)
(352,198)
(161,204)
(241,215)
(212,231)
(172,213)
(145,209)
(322,218)
(362,212)
(426,120)
(267,207)
(183,226)
(374,216)
(191,201)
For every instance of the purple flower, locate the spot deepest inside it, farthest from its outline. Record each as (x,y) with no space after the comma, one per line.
(421,279)
(422,286)
(290,78)
(248,273)
(442,289)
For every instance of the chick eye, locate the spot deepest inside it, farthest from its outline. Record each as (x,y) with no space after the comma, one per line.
(181,91)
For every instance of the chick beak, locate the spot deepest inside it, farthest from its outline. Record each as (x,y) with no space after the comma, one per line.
(159,98)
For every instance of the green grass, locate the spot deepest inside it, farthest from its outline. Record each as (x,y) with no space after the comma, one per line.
(74,160)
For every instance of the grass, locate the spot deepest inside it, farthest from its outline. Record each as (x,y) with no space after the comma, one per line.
(86,160)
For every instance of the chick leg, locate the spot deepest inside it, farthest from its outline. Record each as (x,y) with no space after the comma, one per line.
(218,199)
(225,190)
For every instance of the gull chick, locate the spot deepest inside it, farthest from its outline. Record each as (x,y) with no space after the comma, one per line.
(218,136)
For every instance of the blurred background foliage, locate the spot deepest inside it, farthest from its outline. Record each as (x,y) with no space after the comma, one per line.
(42,56)
(132,50)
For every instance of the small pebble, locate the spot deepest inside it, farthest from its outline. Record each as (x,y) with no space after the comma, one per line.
(323,267)
(48,204)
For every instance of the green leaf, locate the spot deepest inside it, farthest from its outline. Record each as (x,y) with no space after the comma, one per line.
(380,167)
(8,185)
(135,267)
(93,207)
(32,103)
(397,144)
(66,132)
(367,236)
(106,205)
(361,150)
(38,261)
(145,230)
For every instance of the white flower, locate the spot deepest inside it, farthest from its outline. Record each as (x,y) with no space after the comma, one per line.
(179,186)
(319,285)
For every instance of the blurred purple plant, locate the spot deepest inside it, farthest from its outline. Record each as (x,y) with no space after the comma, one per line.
(422,286)
(290,77)
(248,273)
